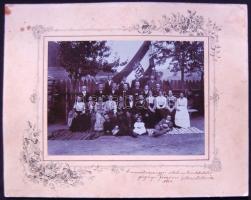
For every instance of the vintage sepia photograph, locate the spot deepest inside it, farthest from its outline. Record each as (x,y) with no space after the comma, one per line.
(126,98)
(111,100)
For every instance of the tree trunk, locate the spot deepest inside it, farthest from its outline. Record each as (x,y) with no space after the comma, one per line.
(182,78)
(182,70)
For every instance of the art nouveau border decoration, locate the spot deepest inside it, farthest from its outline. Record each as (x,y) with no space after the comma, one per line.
(187,24)
(55,175)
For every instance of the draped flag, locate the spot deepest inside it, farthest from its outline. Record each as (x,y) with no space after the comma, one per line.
(139,70)
(139,67)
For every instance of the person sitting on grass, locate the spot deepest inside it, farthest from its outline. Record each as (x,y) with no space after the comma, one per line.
(164,126)
(122,127)
(78,121)
(110,126)
(139,127)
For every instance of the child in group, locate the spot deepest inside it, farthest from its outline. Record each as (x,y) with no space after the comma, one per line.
(162,127)
(139,127)
(110,126)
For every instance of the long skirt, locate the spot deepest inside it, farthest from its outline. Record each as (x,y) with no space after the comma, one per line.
(172,114)
(182,118)
(99,123)
(79,123)
(151,120)
(160,114)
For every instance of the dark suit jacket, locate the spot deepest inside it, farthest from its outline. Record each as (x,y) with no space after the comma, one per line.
(115,94)
(136,92)
(145,94)
(140,108)
(121,85)
(124,93)
(128,107)
(156,93)
(108,87)
(85,97)
(151,84)
(133,83)
(100,94)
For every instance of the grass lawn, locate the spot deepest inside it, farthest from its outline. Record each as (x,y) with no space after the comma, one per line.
(181,144)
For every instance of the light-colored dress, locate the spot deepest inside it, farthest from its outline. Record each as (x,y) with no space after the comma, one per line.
(99,122)
(139,128)
(110,106)
(182,118)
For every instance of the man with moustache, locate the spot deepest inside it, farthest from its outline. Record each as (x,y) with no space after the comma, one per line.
(108,85)
(85,95)
(129,109)
(136,90)
(100,92)
(151,83)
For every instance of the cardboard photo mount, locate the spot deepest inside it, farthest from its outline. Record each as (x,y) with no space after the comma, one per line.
(28,169)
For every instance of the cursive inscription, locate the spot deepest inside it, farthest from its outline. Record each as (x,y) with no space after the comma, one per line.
(170,176)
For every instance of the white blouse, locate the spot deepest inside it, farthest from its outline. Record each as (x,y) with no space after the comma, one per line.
(150,99)
(139,128)
(79,106)
(182,103)
(161,102)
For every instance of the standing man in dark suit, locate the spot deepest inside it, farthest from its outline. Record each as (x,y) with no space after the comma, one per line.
(157,90)
(137,79)
(121,85)
(151,83)
(125,90)
(114,92)
(100,92)
(141,109)
(145,92)
(136,90)
(108,85)
(130,109)
(85,95)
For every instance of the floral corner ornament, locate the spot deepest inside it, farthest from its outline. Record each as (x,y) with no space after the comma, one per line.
(38,30)
(46,172)
(188,24)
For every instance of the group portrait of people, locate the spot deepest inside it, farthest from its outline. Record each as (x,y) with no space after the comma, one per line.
(134,109)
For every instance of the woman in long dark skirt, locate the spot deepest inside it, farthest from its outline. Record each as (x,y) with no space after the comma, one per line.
(91,112)
(151,108)
(79,121)
(161,109)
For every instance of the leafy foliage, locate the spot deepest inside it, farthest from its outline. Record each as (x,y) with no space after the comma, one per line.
(186,56)
(85,57)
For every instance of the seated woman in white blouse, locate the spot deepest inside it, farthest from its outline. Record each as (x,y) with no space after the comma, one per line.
(161,110)
(79,119)
(151,107)
(182,118)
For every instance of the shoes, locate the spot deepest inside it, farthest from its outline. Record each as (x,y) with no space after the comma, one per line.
(115,131)
(150,132)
